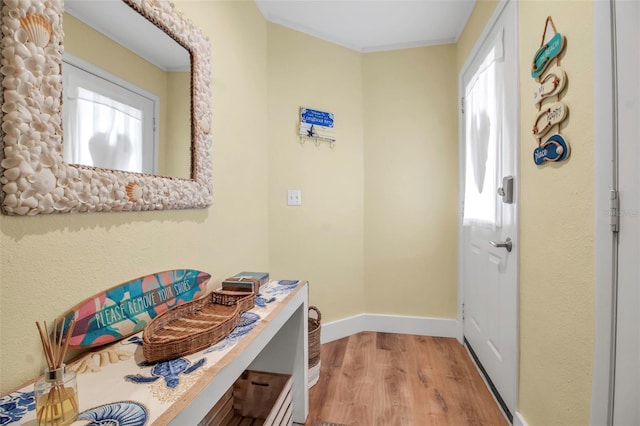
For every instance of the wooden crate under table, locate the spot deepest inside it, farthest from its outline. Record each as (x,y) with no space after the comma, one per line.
(256,398)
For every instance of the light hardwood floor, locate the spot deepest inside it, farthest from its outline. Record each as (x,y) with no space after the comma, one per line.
(380,379)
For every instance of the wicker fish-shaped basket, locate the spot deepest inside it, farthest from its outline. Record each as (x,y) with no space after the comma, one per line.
(194,326)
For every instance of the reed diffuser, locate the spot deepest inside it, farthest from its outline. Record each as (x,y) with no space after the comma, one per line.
(56,393)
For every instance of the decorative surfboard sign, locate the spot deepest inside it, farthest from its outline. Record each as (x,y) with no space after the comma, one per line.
(127,309)
(555,149)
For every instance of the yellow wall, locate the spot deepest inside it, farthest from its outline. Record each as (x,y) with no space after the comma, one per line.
(557,300)
(322,240)
(50,263)
(175,158)
(410,133)
(371,210)
(557,274)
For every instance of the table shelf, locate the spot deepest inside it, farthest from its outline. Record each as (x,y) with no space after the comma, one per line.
(183,391)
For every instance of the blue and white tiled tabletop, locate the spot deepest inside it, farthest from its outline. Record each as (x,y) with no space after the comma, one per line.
(117,386)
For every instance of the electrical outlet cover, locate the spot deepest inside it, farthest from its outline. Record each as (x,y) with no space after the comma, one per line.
(294,197)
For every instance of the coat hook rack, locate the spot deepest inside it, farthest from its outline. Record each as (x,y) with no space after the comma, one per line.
(317,139)
(317,126)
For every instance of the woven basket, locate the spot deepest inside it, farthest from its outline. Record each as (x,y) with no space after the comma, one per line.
(194,326)
(314,337)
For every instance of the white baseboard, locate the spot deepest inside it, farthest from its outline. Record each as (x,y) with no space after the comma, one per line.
(518,420)
(421,326)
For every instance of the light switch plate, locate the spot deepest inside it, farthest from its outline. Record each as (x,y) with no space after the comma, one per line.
(294,197)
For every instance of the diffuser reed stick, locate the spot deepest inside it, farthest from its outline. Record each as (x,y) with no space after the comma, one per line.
(56,393)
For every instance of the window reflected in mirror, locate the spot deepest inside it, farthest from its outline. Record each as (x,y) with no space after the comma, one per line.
(106,124)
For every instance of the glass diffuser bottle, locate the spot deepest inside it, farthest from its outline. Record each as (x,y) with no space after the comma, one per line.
(56,393)
(56,396)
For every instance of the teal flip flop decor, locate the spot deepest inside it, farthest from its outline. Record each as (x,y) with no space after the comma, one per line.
(548,50)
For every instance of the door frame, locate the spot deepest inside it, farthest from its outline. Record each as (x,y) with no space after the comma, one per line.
(606,178)
(461,170)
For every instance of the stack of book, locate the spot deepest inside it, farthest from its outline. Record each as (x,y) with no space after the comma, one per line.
(246,281)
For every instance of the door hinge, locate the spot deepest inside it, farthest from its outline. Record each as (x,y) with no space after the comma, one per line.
(463,312)
(462,105)
(614,211)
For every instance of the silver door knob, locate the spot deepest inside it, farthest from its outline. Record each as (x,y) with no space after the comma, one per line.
(508,244)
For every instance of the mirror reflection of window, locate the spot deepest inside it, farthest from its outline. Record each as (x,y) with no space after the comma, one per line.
(106,124)
(110,130)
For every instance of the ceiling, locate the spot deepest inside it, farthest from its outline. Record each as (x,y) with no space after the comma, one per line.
(373,25)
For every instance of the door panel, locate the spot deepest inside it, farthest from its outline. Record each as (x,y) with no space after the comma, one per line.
(489,274)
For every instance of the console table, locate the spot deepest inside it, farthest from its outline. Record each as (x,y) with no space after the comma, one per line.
(115,380)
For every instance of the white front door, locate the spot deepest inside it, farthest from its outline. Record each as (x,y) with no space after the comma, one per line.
(626,405)
(489,84)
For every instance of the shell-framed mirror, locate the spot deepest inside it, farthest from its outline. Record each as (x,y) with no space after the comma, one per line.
(35,176)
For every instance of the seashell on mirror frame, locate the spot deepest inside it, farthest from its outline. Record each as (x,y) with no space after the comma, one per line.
(33,176)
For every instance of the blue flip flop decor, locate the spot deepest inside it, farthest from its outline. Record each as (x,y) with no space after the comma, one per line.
(553,149)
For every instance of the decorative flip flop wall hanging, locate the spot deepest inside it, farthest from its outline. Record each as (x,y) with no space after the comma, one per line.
(551,85)
(546,53)
(551,115)
(552,81)
(554,149)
